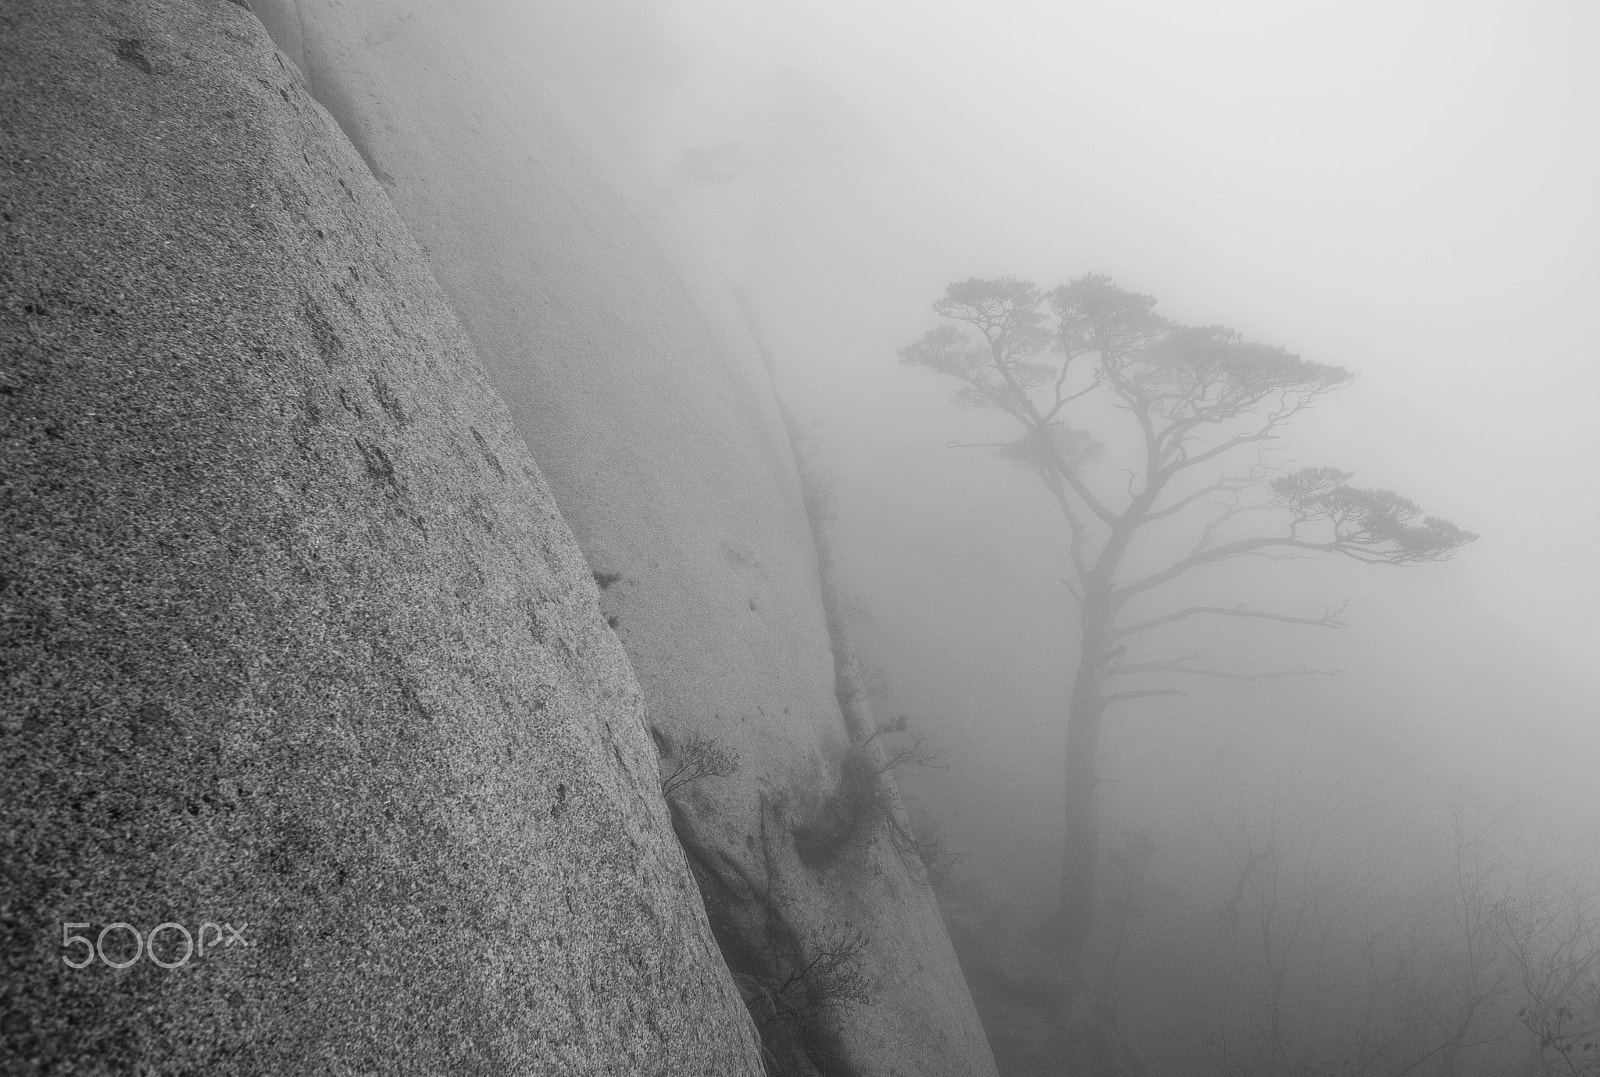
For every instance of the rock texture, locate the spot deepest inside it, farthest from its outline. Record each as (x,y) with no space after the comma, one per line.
(631,373)
(294,639)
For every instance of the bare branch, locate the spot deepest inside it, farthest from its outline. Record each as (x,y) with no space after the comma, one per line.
(1181,665)
(1072,590)
(1227,485)
(695,759)
(1244,548)
(1329,619)
(1185,462)
(1118,697)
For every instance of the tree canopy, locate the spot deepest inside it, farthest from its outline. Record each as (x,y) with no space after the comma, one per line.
(1195,393)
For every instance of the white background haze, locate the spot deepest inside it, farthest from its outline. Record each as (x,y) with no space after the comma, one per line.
(1408,190)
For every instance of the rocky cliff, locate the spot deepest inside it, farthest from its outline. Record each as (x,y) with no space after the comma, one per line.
(302,666)
(300,638)
(629,368)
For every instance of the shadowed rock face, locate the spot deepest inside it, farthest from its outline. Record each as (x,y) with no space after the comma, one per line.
(294,639)
(629,369)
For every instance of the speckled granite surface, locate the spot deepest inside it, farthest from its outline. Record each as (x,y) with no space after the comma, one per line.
(293,636)
(628,367)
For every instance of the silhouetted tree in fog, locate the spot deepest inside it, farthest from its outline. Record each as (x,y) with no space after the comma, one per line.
(1198,405)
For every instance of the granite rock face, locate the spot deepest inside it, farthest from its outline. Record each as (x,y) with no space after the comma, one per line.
(630,370)
(295,641)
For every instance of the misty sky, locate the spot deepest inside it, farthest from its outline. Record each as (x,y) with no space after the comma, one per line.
(1405,189)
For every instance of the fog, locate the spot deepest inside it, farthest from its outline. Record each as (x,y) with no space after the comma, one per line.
(1408,191)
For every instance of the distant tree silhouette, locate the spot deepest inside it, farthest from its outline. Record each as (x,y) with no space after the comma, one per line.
(1199,405)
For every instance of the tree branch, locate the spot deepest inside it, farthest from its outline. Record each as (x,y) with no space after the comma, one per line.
(1243,548)
(1218,487)
(1184,462)
(1329,619)
(1181,665)
(1117,697)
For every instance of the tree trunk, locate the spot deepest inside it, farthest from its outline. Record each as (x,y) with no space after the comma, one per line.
(1080,851)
